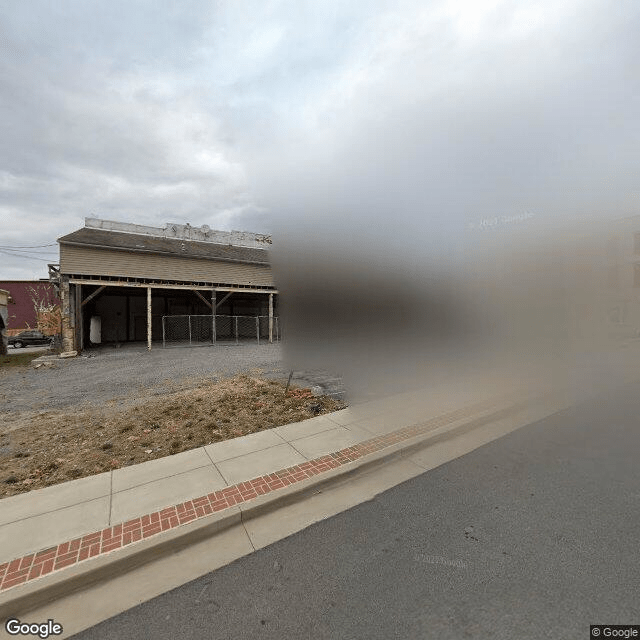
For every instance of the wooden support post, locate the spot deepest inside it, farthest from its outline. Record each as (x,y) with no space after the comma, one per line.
(75,312)
(79,320)
(213,316)
(128,320)
(148,318)
(271,317)
(223,299)
(67,330)
(202,298)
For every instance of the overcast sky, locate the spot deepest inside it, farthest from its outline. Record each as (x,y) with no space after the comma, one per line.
(351,121)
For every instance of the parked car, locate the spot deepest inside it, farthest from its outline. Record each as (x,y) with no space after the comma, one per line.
(29,338)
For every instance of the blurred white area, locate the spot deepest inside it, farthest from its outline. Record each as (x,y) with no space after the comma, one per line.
(452,207)
(532,300)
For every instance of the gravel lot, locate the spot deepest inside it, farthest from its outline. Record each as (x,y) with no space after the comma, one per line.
(131,374)
(114,407)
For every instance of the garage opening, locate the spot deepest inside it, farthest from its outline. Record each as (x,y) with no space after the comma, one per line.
(119,314)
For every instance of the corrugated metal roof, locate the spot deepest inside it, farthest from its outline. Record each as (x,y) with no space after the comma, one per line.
(168,246)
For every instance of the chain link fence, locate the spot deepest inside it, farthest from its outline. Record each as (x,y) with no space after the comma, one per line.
(206,330)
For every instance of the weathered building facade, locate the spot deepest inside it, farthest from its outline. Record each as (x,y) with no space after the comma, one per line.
(131,276)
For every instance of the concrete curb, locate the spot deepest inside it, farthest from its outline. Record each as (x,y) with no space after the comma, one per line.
(295,493)
(23,598)
(56,585)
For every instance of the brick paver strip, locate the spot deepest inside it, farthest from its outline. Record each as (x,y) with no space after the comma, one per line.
(56,558)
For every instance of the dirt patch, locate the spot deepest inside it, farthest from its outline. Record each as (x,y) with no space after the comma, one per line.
(51,447)
(19,360)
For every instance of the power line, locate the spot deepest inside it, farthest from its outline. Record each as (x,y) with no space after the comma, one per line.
(49,251)
(22,255)
(35,246)
(43,256)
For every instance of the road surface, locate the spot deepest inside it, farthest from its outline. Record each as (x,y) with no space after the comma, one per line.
(536,535)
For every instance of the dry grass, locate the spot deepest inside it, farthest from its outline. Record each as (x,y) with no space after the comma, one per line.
(19,359)
(53,447)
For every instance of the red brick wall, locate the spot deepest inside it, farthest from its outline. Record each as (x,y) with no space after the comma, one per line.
(22,312)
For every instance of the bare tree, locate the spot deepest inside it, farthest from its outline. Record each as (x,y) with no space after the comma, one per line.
(48,313)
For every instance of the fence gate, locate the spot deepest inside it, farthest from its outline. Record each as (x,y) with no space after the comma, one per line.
(206,330)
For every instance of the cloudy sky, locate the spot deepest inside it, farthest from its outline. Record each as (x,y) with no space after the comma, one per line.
(399,122)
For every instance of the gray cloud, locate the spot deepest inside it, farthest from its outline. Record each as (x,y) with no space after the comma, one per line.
(418,117)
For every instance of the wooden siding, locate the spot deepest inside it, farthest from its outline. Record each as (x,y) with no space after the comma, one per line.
(105,262)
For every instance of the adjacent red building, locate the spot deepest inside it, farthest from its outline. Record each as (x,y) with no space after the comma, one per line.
(35,306)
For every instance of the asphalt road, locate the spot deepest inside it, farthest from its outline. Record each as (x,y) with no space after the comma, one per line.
(536,535)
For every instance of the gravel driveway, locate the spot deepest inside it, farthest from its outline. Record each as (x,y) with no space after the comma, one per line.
(130,374)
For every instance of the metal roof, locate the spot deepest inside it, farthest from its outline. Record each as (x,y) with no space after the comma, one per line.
(101,239)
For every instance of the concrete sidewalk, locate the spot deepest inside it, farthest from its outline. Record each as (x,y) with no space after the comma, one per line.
(40,519)
(66,532)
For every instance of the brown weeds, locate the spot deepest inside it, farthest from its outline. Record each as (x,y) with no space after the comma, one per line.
(53,447)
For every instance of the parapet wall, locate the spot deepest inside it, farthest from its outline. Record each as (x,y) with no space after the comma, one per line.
(186,232)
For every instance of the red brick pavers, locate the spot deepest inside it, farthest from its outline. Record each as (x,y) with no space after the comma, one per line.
(55,558)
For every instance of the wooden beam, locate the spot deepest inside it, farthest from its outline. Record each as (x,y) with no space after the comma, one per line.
(98,291)
(147,285)
(77,318)
(80,320)
(149,318)
(271,317)
(67,329)
(223,299)
(213,315)
(202,298)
